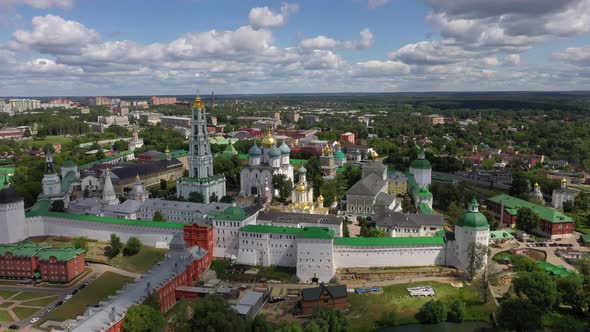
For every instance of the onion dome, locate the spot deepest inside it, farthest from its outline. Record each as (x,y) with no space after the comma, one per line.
(69,163)
(374,154)
(339,155)
(327,150)
(563,181)
(301,187)
(320,199)
(254,151)
(424,192)
(302,170)
(473,219)
(268,141)
(167,150)
(421,164)
(284,148)
(274,152)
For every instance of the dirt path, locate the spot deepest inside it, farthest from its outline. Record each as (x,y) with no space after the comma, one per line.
(363,283)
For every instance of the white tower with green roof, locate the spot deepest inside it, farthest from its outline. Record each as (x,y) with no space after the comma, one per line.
(201,178)
(472,227)
(421,169)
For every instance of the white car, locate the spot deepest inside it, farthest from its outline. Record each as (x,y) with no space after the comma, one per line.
(69,296)
(34,320)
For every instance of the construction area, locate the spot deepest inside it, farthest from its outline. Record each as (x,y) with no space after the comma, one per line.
(394,273)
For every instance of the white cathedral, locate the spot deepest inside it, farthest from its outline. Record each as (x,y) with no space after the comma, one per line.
(263,163)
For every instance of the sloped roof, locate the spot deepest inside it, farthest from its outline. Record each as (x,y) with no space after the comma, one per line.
(389,241)
(399,219)
(270,229)
(316,233)
(61,255)
(314,293)
(368,186)
(145,169)
(543,212)
(285,217)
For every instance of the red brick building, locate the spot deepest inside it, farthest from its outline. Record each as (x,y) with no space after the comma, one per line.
(31,260)
(323,296)
(348,137)
(554,224)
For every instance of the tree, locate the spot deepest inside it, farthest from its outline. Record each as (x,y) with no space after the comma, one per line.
(260,324)
(213,198)
(568,290)
(100,154)
(328,320)
(524,263)
(375,232)
(527,219)
(287,326)
(227,199)
(133,246)
(345,230)
(196,197)
(143,318)
(212,313)
(516,314)
(58,206)
(281,183)
(81,242)
(159,216)
(120,145)
(477,258)
(519,186)
(180,317)
(492,220)
(115,247)
(153,300)
(432,312)
(456,311)
(538,287)
(163,184)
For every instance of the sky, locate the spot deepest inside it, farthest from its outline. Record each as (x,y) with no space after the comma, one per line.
(160,47)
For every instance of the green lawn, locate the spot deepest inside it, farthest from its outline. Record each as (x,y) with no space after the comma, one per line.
(5,317)
(24,296)
(104,286)
(51,140)
(24,313)
(6,304)
(140,263)
(367,308)
(284,274)
(40,302)
(7,294)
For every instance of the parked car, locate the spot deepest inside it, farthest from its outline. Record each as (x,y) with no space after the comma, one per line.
(75,292)
(69,296)
(34,320)
(82,286)
(59,303)
(14,327)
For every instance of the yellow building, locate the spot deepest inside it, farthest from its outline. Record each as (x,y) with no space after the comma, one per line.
(397,183)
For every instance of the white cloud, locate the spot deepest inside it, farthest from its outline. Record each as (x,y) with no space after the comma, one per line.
(430,53)
(41,4)
(578,56)
(322,42)
(265,17)
(53,35)
(512,60)
(373,4)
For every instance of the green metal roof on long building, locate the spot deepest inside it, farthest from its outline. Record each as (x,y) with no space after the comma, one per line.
(543,212)
(41,209)
(60,254)
(270,229)
(389,241)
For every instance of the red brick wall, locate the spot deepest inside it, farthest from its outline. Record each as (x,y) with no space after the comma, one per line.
(19,267)
(52,270)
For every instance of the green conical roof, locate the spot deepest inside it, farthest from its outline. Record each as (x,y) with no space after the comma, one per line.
(69,163)
(229,149)
(424,192)
(473,219)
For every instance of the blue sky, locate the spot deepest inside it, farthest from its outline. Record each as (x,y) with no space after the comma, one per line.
(109,47)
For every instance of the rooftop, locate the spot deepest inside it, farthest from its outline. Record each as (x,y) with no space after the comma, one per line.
(543,212)
(389,241)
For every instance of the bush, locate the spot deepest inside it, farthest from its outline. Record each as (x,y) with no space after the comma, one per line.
(81,243)
(432,312)
(133,246)
(456,311)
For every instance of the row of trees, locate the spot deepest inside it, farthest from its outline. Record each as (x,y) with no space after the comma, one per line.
(132,247)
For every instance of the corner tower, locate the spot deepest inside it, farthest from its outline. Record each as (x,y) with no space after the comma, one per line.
(472,227)
(421,169)
(12,216)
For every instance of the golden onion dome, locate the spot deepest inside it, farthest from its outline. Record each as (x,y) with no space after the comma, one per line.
(301,187)
(327,149)
(320,199)
(563,181)
(268,141)
(374,154)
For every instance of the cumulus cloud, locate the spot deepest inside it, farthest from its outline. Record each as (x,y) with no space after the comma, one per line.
(579,56)
(53,35)
(265,17)
(322,42)
(430,53)
(373,4)
(41,4)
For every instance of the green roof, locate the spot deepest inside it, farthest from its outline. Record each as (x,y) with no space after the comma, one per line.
(22,249)
(424,208)
(500,235)
(109,158)
(69,163)
(556,270)
(208,179)
(339,155)
(230,213)
(230,150)
(543,212)
(316,233)
(62,255)
(41,209)
(389,241)
(297,161)
(244,156)
(174,154)
(473,219)
(421,164)
(586,237)
(444,178)
(222,141)
(66,182)
(270,229)
(424,192)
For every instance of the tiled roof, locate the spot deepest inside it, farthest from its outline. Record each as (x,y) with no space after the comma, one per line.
(22,249)
(316,233)
(389,241)
(544,213)
(424,208)
(314,294)
(62,255)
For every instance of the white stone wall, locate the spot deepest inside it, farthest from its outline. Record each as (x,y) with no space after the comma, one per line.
(12,222)
(267,249)
(185,188)
(101,231)
(411,231)
(381,256)
(464,238)
(226,236)
(423,176)
(315,262)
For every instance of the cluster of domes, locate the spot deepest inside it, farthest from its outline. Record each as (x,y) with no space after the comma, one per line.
(473,219)
(255,151)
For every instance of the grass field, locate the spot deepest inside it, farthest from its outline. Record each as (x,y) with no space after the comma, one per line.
(50,140)
(6,304)
(104,286)
(367,308)
(284,274)
(24,296)
(140,263)
(24,313)
(42,302)
(5,317)
(7,294)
